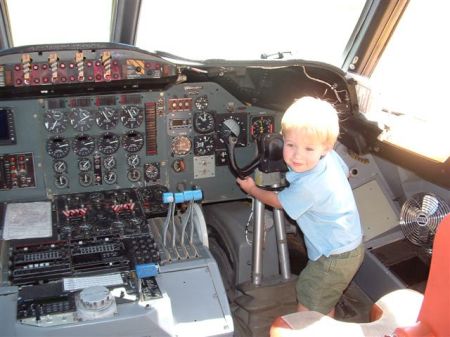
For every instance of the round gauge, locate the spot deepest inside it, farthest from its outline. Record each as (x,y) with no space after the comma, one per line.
(233,126)
(133,160)
(109,162)
(107,118)
(132,141)
(61,181)
(83,145)
(151,172)
(108,143)
(85,179)
(204,122)
(58,147)
(81,119)
(55,121)
(203,145)
(178,165)
(84,164)
(110,177)
(201,102)
(60,166)
(132,116)
(261,125)
(134,175)
(181,145)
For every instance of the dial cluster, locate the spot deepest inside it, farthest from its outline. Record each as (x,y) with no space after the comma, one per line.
(101,136)
(212,122)
(83,119)
(111,140)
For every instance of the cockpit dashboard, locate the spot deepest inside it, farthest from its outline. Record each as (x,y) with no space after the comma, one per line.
(93,139)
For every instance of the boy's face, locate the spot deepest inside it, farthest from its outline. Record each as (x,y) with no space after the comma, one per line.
(301,152)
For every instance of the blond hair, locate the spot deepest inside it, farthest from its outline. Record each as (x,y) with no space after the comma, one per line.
(316,117)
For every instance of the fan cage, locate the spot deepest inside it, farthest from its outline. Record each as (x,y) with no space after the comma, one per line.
(420,216)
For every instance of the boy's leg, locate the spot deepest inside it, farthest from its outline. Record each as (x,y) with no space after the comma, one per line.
(322,282)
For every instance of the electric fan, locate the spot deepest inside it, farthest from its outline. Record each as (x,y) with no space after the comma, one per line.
(420,216)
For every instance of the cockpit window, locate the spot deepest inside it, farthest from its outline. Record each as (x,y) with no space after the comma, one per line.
(410,82)
(55,21)
(246,30)
(199,29)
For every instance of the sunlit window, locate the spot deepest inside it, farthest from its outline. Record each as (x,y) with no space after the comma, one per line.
(411,79)
(234,29)
(56,21)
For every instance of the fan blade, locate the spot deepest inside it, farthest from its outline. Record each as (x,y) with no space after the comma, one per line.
(430,204)
(409,212)
(424,234)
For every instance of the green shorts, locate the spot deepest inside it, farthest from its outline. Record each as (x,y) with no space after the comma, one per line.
(321,283)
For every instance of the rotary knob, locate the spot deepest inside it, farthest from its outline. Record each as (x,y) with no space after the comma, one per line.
(96,298)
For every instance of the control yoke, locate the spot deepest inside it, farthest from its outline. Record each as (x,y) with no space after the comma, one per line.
(269,156)
(268,159)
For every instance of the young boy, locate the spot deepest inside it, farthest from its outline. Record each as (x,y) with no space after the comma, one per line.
(320,199)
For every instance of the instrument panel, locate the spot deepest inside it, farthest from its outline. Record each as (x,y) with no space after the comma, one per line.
(101,142)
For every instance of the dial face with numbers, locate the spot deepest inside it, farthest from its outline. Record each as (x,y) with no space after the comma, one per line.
(81,119)
(132,116)
(261,125)
(85,179)
(133,175)
(108,143)
(56,121)
(109,162)
(83,145)
(231,125)
(107,118)
(133,160)
(61,181)
(110,177)
(203,145)
(58,147)
(201,102)
(151,171)
(59,166)
(181,145)
(204,122)
(132,141)
(84,164)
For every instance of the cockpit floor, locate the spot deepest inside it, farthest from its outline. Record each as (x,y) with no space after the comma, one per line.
(354,305)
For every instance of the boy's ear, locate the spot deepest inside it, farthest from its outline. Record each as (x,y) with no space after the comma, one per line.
(326,149)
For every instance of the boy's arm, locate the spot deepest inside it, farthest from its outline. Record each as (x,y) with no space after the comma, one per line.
(266,197)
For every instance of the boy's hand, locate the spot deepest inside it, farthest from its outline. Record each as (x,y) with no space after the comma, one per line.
(246,184)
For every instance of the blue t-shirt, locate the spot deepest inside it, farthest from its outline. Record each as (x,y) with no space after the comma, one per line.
(321,201)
